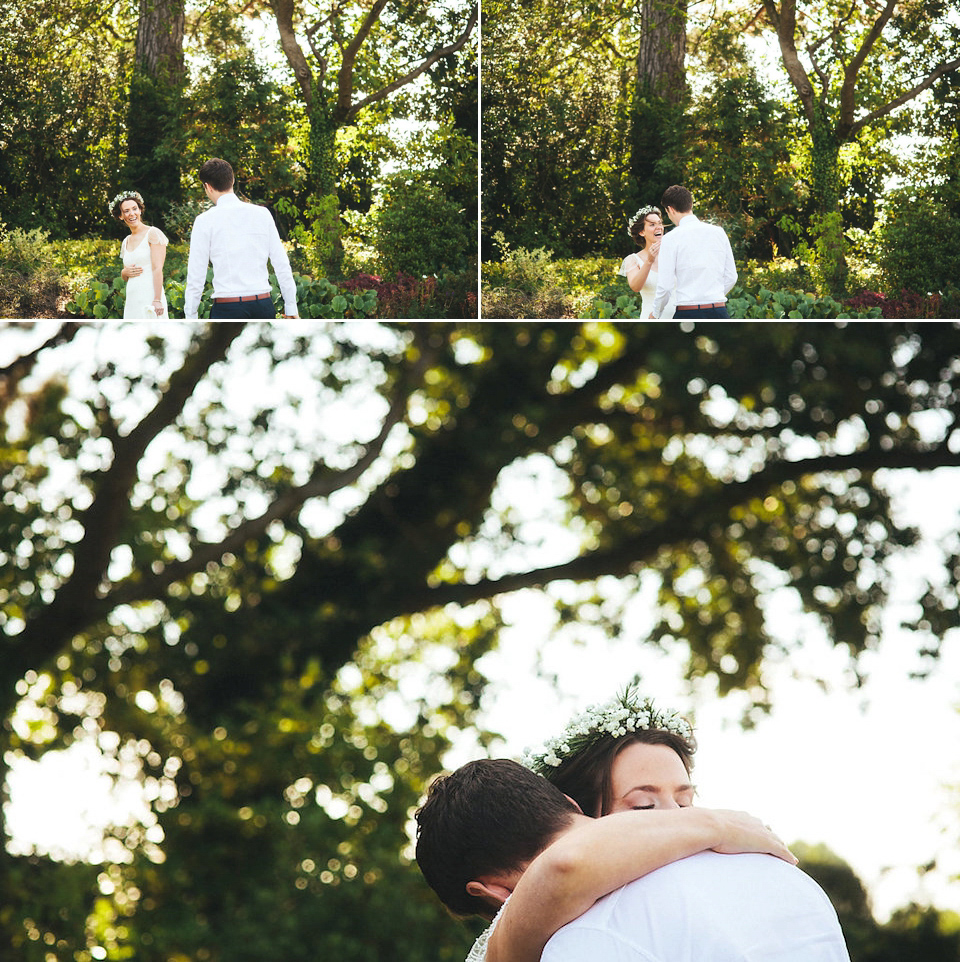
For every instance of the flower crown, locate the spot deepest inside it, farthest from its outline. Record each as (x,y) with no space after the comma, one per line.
(126,195)
(640,215)
(620,716)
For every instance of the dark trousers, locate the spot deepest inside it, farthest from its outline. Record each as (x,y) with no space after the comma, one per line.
(701,312)
(261,310)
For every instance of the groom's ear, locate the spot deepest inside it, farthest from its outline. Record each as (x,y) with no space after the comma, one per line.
(490,889)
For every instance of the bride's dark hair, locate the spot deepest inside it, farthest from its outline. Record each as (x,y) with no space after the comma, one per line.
(586,775)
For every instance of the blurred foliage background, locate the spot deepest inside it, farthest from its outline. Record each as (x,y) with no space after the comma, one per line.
(255,567)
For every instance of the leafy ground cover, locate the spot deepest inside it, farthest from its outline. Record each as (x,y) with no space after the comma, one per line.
(530,283)
(81,278)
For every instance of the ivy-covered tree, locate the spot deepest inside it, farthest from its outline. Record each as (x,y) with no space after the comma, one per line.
(359,55)
(256,565)
(846,64)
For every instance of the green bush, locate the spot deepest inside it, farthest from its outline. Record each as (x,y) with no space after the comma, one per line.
(180,218)
(30,283)
(420,230)
(918,246)
(521,269)
(758,301)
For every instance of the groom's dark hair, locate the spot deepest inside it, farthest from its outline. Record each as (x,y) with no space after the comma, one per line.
(489,817)
(217,173)
(679,198)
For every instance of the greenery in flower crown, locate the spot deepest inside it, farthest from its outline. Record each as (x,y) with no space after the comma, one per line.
(623,714)
(640,215)
(125,195)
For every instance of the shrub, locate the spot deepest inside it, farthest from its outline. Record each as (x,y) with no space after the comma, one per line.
(103,297)
(521,269)
(180,218)
(404,296)
(30,284)
(524,283)
(420,230)
(504,303)
(918,246)
(909,304)
(752,302)
(757,301)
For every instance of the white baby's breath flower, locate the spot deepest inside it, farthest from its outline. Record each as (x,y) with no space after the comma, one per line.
(622,715)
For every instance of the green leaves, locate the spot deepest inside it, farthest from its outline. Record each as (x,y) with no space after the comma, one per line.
(302,533)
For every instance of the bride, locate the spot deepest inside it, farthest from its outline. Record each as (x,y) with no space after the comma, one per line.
(143,251)
(640,268)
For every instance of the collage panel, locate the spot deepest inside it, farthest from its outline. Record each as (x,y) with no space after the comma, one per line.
(811,157)
(183,159)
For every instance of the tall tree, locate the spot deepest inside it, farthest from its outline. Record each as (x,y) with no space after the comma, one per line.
(62,70)
(360,54)
(660,96)
(845,61)
(232,589)
(156,93)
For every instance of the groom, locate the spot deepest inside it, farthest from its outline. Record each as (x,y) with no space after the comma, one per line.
(696,258)
(481,826)
(238,239)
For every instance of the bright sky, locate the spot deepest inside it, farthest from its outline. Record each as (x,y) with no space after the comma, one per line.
(866,771)
(873,773)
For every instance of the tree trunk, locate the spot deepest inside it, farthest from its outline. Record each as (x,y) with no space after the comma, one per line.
(155,97)
(663,47)
(327,255)
(827,224)
(659,97)
(159,50)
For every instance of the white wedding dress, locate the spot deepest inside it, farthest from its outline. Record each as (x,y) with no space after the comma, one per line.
(649,289)
(139,293)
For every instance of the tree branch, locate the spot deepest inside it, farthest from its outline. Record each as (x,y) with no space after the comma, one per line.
(904,98)
(631,553)
(80,595)
(321,484)
(283,13)
(17,369)
(851,71)
(424,66)
(784,21)
(345,76)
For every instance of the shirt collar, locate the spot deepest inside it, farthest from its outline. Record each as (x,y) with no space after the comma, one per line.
(689,220)
(230,198)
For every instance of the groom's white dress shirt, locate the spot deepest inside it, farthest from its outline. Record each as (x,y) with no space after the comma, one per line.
(697,259)
(237,238)
(708,908)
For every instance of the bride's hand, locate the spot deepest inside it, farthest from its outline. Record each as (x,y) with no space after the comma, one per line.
(129,272)
(741,832)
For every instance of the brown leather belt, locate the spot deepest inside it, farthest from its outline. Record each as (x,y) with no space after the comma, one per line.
(700,307)
(238,300)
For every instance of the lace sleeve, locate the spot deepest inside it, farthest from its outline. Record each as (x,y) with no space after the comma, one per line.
(157,236)
(479,951)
